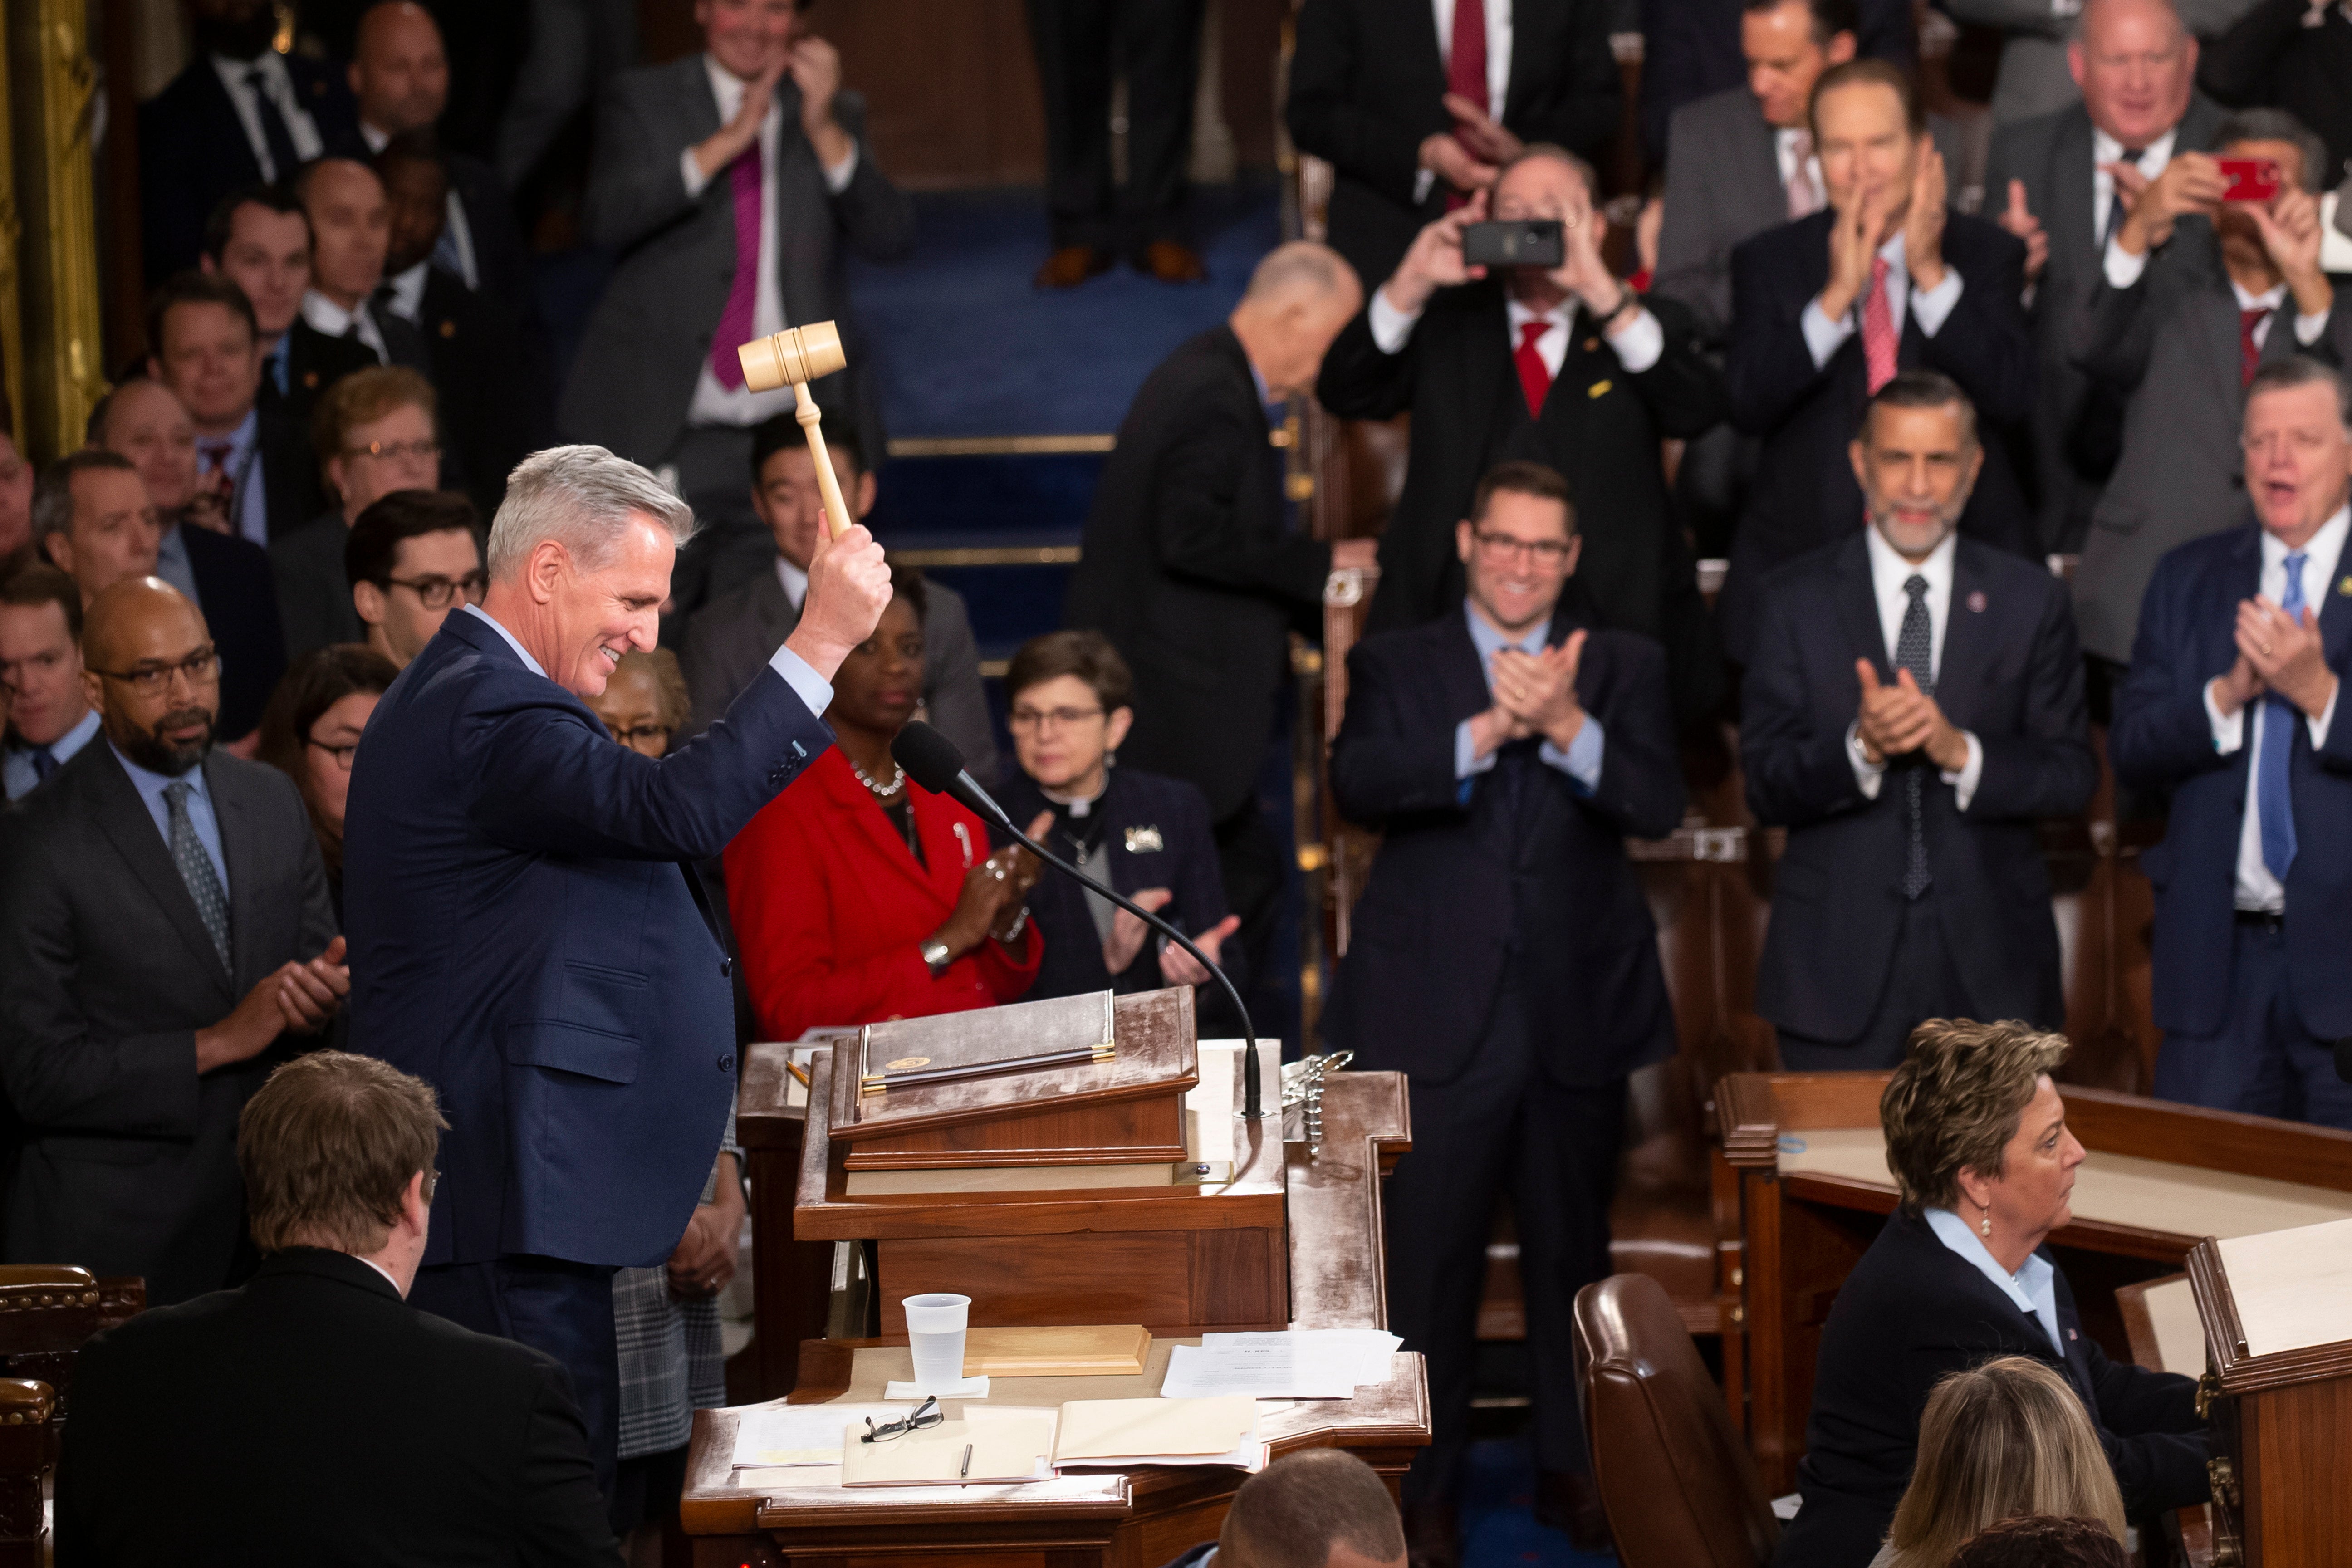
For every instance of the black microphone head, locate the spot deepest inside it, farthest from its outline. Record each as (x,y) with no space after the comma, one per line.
(2344,1058)
(929,758)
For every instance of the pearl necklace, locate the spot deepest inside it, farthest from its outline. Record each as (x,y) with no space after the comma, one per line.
(882,792)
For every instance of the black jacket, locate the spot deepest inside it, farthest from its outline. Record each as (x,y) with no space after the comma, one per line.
(1191,569)
(1367,85)
(2272,56)
(1473,876)
(1599,427)
(314,1416)
(314,362)
(1914,1311)
(1804,495)
(2011,674)
(493,411)
(291,491)
(239,600)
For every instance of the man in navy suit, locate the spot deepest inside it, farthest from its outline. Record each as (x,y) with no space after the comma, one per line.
(2230,705)
(1826,310)
(527,933)
(1914,705)
(240,114)
(1504,956)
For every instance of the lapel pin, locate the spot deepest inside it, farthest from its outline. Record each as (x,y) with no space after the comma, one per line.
(1592,345)
(2345,587)
(1143,840)
(1977,602)
(1599,388)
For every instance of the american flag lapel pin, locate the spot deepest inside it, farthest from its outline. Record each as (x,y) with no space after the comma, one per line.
(1977,602)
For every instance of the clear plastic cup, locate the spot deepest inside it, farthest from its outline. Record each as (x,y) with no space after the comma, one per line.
(935,1329)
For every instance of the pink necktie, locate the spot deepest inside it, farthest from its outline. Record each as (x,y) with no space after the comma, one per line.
(1878,328)
(1804,197)
(735,320)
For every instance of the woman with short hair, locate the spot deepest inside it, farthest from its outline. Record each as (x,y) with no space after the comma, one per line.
(1961,1272)
(310,731)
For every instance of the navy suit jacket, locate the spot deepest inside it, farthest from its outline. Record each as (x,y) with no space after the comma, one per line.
(1804,495)
(2013,675)
(1461,888)
(2162,740)
(240,606)
(1913,1311)
(524,938)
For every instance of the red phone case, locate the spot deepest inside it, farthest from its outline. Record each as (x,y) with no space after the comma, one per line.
(2251,179)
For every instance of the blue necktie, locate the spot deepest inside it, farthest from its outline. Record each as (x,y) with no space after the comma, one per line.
(44,762)
(2274,799)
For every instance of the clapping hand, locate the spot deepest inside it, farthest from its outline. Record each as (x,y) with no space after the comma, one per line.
(309,994)
(2191,182)
(815,68)
(1128,931)
(734,139)
(1923,224)
(2286,654)
(1178,967)
(1897,720)
(2021,223)
(1539,689)
(1853,246)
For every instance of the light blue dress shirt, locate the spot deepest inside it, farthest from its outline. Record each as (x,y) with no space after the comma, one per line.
(151,787)
(245,466)
(812,688)
(17,769)
(2033,1287)
(171,563)
(1581,761)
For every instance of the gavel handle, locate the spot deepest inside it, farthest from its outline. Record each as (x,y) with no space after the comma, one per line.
(806,415)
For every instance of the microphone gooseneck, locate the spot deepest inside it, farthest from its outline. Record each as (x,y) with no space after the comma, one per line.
(932,761)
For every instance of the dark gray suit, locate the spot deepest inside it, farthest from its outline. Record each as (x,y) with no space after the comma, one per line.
(314,596)
(2169,345)
(646,344)
(1723,187)
(730,641)
(2072,433)
(126,1161)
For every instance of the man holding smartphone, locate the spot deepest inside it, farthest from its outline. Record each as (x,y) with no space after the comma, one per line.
(2198,294)
(1549,361)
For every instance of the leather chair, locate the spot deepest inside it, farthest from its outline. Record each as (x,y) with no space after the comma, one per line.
(1677,1482)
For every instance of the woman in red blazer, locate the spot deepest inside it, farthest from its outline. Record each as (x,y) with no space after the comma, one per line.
(859,895)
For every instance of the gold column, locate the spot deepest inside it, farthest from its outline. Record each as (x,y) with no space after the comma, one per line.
(51,86)
(12,328)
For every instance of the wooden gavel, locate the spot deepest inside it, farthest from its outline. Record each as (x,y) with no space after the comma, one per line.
(798,355)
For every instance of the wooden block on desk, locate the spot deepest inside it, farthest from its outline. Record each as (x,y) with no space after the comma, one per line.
(1092,1351)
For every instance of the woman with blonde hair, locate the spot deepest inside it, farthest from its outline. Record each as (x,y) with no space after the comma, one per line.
(1997,1441)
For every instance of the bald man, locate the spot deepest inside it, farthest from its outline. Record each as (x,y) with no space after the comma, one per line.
(1191,566)
(400,77)
(165,939)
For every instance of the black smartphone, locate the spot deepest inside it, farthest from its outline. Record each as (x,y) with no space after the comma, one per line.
(1530,242)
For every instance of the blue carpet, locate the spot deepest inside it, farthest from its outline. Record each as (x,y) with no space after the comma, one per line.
(964,344)
(1499,1521)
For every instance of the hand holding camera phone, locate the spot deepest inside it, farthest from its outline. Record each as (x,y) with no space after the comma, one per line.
(2250,179)
(1521,242)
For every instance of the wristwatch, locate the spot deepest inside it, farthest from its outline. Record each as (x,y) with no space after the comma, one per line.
(937,954)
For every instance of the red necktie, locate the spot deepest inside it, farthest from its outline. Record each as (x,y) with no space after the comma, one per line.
(1878,328)
(2249,352)
(1466,60)
(1534,376)
(735,320)
(215,455)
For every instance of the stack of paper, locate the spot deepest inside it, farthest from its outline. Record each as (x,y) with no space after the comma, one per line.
(986,1446)
(1125,1432)
(802,1434)
(1303,1363)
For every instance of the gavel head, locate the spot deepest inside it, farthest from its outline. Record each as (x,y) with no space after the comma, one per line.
(795,354)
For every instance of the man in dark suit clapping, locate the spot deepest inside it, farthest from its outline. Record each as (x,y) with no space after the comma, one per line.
(1504,957)
(1826,310)
(1914,704)
(370,1420)
(164,921)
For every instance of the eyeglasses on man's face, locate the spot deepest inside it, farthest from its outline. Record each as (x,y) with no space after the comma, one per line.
(1051,718)
(637,732)
(1548,553)
(437,593)
(201,668)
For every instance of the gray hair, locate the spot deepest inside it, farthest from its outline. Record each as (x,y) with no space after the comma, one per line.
(2278,125)
(581,498)
(1300,266)
(1558,155)
(53,502)
(2301,370)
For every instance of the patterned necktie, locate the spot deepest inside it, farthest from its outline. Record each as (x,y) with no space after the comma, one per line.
(196,869)
(1915,650)
(2274,796)
(44,762)
(1534,376)
(274,134)
(215,455)
(1879,328)
(2250,348)
(1804,195)
(735,320)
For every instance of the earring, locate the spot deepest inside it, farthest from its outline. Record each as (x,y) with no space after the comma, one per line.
(1985,1227)
(1111,759)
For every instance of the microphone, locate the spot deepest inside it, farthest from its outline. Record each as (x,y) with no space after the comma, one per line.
(932,761)
(2344,1058)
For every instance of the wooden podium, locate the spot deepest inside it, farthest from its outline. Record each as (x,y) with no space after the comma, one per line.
(2277,1313)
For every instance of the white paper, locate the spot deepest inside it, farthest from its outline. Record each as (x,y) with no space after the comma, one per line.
(800,1433)
(1307,1363)
(1250,1457)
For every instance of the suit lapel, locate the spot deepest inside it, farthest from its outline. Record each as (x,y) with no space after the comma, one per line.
(1968,639)
(2219,319)
(124,817)
(1857,606)
(1757,154)
(2073,193)
(241,848)
(2335,611)
(1461,678)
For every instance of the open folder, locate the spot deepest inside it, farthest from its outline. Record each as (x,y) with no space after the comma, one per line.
(1113,1431)
(1008,1446)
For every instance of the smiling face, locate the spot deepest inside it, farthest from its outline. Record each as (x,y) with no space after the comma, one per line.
(790,502)
(597,617)
(878,685)
(1916,468)
(2135,65)
(1518,557)
(212,362)
(747,36)
(146,424)
(2298,459)
(1784,59)
(2032,1195)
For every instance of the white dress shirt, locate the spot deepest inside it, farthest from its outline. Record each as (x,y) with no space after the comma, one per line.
(325,316)
(2034,1287)
(1784,148)
(456,234)
(811,688)
(279,84)
(2107,150)
(713,404)
(1639,343)
(407,300)
(1498,69)
(794,580)
(1888,572)
(2257,889)
(1933,306)
(2123,269)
